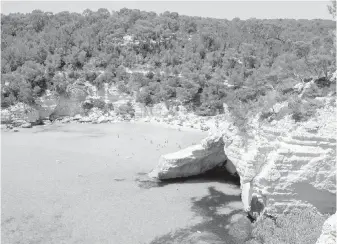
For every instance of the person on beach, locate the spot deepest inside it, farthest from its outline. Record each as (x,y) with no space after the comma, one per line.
(256,208)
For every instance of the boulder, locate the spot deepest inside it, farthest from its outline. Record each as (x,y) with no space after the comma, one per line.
(26,125)
(66,120)
(103,119)
(204,127)
(46,122)
(328,235)
(18,122)
(299,87)
(95,113)
(193,160)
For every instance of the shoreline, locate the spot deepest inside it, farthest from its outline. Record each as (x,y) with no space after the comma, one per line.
(158,121)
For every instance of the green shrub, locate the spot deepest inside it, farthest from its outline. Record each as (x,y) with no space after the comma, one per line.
(73,74)
(93,103)
(297,227)
(248,94)
(267,115)
(125,110)
(303,110)
(323,82)
(7,101)
(90,76)
(205,110)
(87,105)
(312,92)
(144,97)
(241,229)
(109,107)
(122,88)
(98,103)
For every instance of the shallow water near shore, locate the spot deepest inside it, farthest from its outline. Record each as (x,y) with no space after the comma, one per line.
(84,183)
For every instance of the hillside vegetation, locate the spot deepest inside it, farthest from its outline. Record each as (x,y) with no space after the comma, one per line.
(200,62)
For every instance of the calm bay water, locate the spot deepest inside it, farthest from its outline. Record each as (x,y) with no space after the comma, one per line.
(82,183)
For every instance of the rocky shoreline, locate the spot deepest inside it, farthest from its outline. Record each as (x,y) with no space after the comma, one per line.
(15,118)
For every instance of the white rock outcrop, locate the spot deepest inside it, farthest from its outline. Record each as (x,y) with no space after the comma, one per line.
(328,235)
(287,166)
(191,161)
(20,114)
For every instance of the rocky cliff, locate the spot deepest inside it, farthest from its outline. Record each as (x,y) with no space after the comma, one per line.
(194,160)
(328,235)
(287,165)
(102,104)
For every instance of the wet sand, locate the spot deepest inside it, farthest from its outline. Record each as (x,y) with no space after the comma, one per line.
(83,183)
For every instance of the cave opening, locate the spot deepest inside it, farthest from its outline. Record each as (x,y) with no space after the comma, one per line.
(218,174)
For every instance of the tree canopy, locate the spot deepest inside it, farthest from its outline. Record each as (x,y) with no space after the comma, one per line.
(201,62)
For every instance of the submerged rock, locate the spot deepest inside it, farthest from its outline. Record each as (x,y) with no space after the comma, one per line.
(193,160)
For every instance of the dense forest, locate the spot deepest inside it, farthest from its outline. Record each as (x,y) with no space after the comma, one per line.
(200,62)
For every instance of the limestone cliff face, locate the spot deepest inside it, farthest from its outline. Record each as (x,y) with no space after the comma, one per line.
(70,105)
(328,235)
(287,165)
(193,160)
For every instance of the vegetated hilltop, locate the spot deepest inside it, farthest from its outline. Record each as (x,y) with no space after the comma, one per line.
(199,62)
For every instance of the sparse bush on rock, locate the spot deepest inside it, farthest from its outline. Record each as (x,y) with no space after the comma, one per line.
(93,103)
(300,226)
(302,110)
(87,105)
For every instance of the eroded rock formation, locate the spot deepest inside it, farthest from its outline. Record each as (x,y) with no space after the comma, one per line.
(193,160)
(288,166)
(328,235)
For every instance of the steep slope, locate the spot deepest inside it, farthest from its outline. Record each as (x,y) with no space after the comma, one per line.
(288,165)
